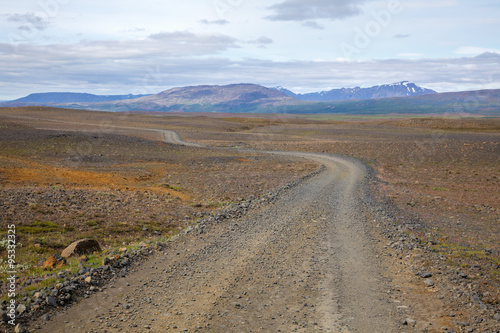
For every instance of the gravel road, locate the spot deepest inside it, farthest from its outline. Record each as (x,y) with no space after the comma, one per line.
(306,262)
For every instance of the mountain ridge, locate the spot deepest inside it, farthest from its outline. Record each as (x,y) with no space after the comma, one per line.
(252,98)
(51,98)
(399,89)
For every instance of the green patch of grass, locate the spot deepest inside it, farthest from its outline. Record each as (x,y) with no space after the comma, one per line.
(39,227)
(219,204)
(91,223)
(172,187)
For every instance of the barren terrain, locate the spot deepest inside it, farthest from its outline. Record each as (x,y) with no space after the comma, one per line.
(428,212)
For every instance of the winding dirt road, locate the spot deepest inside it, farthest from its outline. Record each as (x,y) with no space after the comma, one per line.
(305,263)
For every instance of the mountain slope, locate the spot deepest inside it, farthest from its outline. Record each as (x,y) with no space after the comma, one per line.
(55,98)
(207,98)
(401,89)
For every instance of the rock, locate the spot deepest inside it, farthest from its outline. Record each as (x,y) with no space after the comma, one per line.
(409,322)
(125,262)
(53,262)
(426,275)
(21,308)
(45,317)
(52,301)
(19,329)
(81,247)
(88,279)
(429,283)
(109,261)
(476,299)
(496,316)
(3,316)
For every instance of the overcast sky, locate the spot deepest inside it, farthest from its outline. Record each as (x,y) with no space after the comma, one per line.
(132,46)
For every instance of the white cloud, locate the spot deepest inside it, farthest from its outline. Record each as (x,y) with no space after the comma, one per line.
(262,40)
(299,10)
(474,50)
(313,24)
(218,22)
(152,72)
(28,21)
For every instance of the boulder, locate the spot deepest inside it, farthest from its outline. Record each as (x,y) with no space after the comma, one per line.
(80,247)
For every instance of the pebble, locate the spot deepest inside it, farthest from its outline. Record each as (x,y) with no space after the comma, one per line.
(409,322)
(429,283)
(21,308)
(19,329)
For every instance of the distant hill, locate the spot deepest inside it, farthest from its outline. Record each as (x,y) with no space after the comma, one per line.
(206,98)
(56,98)
(246,98)
(481,102)
(400,89)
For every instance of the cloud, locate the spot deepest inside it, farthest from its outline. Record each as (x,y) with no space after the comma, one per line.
(262,40)
(165,44)
(168,60)
(313,25)
(474,50)
(401,36)
(299,10)
(218,22)
(29,21)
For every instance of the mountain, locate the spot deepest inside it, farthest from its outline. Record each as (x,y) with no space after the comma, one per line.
(481,102)
(56,98)
(246,98)
(241,97)
(400,89)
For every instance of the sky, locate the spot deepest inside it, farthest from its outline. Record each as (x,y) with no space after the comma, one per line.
(144,47)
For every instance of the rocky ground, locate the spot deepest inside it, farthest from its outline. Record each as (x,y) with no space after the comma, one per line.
(433,229)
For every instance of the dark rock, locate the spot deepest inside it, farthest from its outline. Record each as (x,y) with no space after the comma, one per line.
(3,316)
(45,317)
(81,247)
(52,301)
(426,275)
